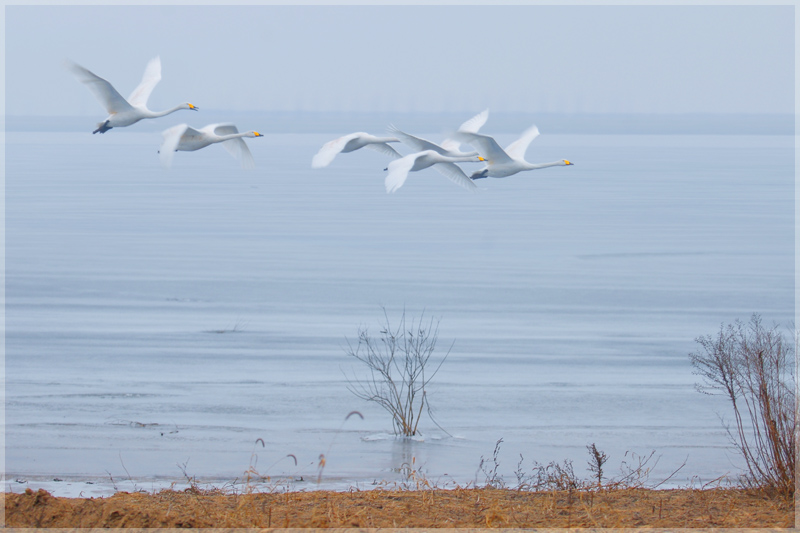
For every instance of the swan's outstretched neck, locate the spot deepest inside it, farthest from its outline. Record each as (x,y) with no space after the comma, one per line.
(469,157)
(156,114)
(231,136)
(560,162)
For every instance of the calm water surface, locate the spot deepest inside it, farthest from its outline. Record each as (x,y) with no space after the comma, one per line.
(163,320)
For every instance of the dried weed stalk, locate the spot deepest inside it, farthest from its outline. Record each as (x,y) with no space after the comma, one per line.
(634,473)
(597,459)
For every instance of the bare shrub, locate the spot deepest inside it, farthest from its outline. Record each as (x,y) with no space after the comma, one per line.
(754,367)
(400,368)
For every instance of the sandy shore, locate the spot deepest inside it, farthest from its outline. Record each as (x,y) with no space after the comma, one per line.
(462,508)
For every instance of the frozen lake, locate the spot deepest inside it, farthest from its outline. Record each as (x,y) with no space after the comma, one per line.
(160,320)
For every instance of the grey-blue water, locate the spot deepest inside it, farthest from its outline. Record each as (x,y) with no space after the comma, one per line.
(163,320)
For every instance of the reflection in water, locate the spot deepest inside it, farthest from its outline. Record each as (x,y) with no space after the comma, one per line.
(403,459)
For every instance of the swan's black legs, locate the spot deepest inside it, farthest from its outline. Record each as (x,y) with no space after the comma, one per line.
(479,174)
(104,127)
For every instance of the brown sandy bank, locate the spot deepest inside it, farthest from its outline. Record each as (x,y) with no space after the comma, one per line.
(461,508)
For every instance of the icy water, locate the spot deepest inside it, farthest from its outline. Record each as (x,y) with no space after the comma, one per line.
(159,322)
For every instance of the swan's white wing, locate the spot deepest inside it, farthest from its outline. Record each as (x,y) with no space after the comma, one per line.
(172,138)
(451,145)
(472,125)
(486,145)
(454,173)
(398,172)
(329,150)
(152,75)
(235,148)
(225,128)
(105,93)
(385,149)
(191,132)
(516,150)
(418,144)
(238,149)
(192,139)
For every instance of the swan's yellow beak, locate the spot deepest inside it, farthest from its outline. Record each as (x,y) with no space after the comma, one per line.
(258,134)
(568,163)
(481,159)
(192,107)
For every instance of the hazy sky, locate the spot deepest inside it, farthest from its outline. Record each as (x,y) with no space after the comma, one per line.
(534,58)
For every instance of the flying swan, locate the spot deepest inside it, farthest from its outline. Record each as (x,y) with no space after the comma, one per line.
(502,163)
(184,138)
(350,143)
(399,168)
(449,147)
(123,112)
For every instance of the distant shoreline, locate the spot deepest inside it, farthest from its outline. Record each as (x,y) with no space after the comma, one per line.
(500,122)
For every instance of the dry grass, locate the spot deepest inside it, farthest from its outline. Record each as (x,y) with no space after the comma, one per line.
(462,508)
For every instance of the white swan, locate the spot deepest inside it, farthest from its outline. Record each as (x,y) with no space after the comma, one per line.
(502,163)
(399,168)
(351,142)
(449,147)
(123,112)
(184,138)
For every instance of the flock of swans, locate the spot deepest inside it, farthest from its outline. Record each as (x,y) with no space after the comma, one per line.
(499,162)
(180,138)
